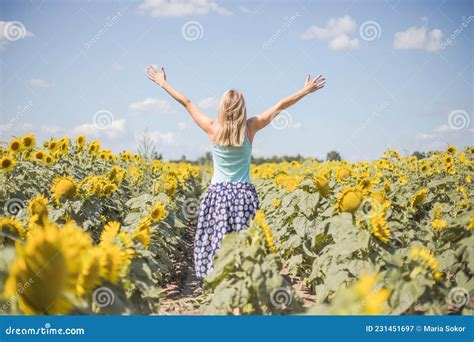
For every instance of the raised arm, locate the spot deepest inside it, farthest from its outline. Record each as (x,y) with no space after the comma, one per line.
(261,121)
(159,77)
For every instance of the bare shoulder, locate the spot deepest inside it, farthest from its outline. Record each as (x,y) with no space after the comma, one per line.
(252,127)
(213,132)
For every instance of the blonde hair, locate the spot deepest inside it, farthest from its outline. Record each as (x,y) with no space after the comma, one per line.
(232,119)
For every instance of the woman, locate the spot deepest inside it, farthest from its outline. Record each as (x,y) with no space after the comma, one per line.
(230,201)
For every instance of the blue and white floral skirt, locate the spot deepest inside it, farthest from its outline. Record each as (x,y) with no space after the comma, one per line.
(225,208)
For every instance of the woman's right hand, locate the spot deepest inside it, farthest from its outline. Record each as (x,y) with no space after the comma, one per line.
(311,86)
(159,77)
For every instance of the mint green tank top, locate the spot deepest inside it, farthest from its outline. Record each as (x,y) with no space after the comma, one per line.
(231,163)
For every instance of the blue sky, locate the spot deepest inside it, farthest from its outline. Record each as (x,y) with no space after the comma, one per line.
(399,73)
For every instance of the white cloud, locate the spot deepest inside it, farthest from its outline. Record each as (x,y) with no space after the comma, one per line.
(334,28)
(419,38)
(115,129)
(425,136)
(336,33)
(209,103)
(181,8)
(343,42)
(151,105)
(11,31)
(245,9)
(39,83)
(445,131)
(164,139)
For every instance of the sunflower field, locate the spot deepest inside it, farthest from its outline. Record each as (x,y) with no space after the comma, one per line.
(87,231)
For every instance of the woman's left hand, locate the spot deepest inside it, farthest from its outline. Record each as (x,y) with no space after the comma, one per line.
(159,77)
(312,85)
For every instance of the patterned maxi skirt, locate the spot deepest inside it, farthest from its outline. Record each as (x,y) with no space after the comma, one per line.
(225,208)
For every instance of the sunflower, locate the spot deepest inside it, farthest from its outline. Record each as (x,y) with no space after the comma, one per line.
(349,200)
(38,205)
(343,173)
(378,197)
(116,175)
(468,179)
(63,147)
(267,232)
(462,191)
(158,212)
(418,198)
(403,180)
(439,224)
(108,189)
(48,159)
(366,284)
(365,185)
(124,241)
(78,241)
(451,150)
(53,145)
(321,183)
(109,233)
(7,163)
(112,236)
(103,155)
(92,270)
(94,147)
(80,141)
(276,202)
(38,155)
(448,160)
(28,142)
(63,188)
(126,156)
(43,276)
(15,145)
(425,167)
(292,183)
(137,174)
(471,223)
(371,296)
(423,260)
(114,262)
(438,211)
(11,228)
(379,226)
(170,183)
(143,232)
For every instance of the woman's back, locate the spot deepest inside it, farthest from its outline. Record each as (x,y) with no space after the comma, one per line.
(232,163)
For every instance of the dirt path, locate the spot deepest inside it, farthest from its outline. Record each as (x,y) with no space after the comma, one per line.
(181,295)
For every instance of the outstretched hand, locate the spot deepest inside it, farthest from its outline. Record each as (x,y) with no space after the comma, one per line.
(159,77)
(312,85)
